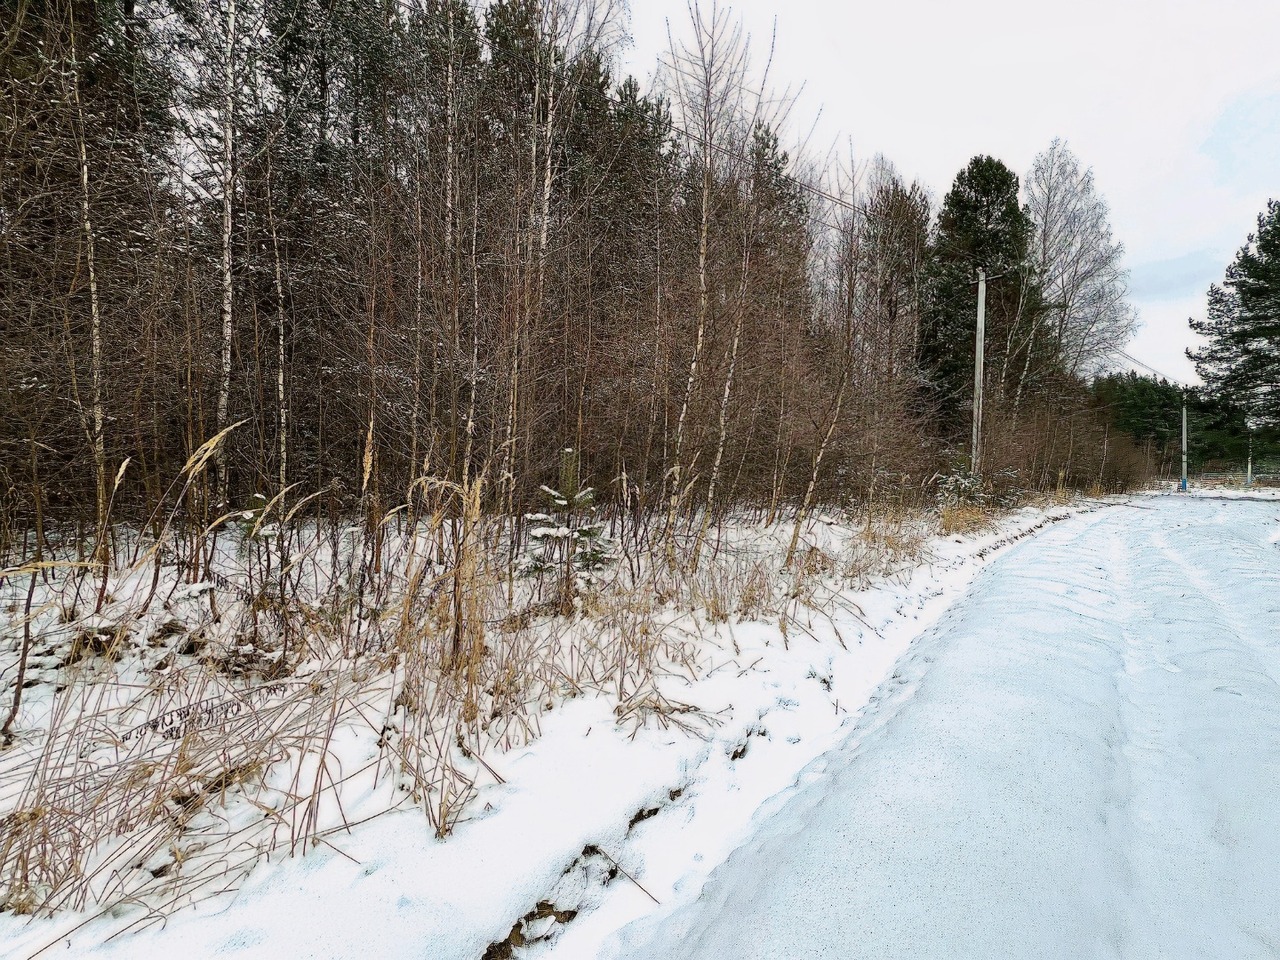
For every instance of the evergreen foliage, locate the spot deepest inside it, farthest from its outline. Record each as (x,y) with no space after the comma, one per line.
(981,225)
(1240,364)
(1150,411)
(388,240)
(568,540)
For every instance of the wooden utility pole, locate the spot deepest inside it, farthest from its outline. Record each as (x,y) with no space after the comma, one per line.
(1184,443)
(979,350)
(1248,477)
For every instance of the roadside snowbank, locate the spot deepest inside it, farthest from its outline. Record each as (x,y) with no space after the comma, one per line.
(1079,760)
(593,824)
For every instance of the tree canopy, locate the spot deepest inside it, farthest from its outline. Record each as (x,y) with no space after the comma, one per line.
(1241,361)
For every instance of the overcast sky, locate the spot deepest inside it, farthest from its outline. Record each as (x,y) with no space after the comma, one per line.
(1175,104)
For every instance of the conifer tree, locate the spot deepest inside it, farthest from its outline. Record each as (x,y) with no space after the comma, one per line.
(1241,361)
(980,225)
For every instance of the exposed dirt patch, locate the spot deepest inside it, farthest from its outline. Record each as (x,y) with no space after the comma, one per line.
(540,923)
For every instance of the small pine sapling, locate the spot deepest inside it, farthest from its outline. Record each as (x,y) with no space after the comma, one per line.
(568,541)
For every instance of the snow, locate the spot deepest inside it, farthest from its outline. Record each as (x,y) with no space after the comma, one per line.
(1079,760)
(929,761)
(1224,491)
(390,890)
(612,805)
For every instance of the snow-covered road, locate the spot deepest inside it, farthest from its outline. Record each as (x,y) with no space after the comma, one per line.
(1081,760)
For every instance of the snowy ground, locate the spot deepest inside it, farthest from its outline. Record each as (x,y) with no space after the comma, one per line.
(1080,760)
(1018,745)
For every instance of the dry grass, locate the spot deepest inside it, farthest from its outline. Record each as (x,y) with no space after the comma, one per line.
(194,730)
(187,729)
(887,546)
(965,519)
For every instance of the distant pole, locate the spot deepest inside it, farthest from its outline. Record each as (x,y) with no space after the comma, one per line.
(979,350)
(1248,477)
(1184,444)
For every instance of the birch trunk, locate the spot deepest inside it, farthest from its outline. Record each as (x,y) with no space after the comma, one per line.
(97,439)
(282,401)
(417,322)
(228,143)
(704,228)
(807,505)
(723,424)
(474,373)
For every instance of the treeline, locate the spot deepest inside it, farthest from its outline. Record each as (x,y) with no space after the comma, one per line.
(369,241)
(1221,435)
(1235,415)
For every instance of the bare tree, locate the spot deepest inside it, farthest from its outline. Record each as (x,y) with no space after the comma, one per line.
(95,425)
(1078,263)
(707,79)
(227,120)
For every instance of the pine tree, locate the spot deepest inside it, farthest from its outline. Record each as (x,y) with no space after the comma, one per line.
(1241,362)
(568,542)
(981,224)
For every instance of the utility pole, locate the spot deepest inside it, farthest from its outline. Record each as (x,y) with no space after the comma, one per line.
(1248,477)
(1184,443)
(979,350)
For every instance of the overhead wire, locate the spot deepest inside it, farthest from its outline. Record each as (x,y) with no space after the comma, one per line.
(1150,369)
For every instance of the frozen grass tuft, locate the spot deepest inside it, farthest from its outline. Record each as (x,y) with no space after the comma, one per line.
(212,698)
(965,519)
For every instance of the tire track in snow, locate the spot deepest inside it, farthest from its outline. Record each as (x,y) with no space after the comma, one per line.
(1058,772)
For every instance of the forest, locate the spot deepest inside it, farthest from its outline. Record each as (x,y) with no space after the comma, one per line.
(368,244)
(1219,435)
(377,376)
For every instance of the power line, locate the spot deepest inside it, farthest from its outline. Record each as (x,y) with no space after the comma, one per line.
(1150,369)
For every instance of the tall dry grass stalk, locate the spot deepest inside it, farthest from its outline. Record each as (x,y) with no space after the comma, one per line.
(180,729)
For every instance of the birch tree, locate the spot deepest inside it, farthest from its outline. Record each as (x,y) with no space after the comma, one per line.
(1080,267)
(95,422)
(707,77)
